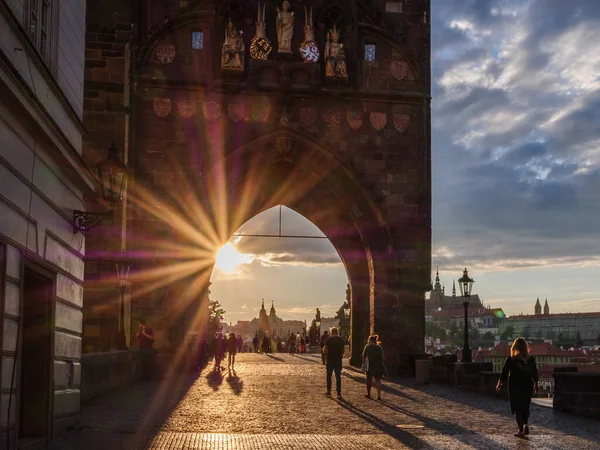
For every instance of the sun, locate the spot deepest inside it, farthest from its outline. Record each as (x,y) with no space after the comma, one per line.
(228,258)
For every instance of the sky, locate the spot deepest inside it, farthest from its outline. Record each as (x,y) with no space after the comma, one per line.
(515,162)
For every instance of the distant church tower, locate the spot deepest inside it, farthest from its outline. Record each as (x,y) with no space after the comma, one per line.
(538,308)
(272,311)
(437,294)
(546,308)
(263,319)
(453,289)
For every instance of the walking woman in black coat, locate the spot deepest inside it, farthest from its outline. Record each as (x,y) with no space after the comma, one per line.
(521,372)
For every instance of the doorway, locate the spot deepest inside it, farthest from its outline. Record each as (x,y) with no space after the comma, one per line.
(35,386)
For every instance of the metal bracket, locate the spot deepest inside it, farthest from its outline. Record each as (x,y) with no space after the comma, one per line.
(84,221)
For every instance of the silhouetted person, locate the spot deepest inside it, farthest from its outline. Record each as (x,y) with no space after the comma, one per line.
(146,344)
(292,343)
(255,344)
(324,337)
(232,344)
(521,371)
(266,345)
(218,345)
(334,352)
(373,356)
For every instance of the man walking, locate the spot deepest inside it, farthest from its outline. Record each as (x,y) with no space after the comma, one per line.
(333,352)
(231,351)
(146,344)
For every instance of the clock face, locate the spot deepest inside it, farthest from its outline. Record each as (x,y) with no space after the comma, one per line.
(309,52)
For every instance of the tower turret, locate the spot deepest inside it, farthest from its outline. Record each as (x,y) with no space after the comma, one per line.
(453,288)
(272,312)
(538,307)
(546,308)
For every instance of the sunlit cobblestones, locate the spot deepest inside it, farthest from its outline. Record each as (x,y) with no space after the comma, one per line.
(278,402)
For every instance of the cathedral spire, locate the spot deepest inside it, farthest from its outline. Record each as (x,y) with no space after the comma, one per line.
(437,286)
(272,311)
(546,307)
(538,307)
(453,288)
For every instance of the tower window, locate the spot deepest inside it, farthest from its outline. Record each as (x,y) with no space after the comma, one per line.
(370,52)
(197,40)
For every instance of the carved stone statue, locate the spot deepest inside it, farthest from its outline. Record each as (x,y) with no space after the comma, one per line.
(309,48)
(232,55)
(260,46)
(335,58)
(285,28)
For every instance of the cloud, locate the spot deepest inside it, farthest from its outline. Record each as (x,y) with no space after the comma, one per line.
(515,140)
(274,251)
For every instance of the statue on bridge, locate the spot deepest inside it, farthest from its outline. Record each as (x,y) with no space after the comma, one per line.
(232,55)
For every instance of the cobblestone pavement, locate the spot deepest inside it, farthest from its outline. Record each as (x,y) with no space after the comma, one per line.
(278,402)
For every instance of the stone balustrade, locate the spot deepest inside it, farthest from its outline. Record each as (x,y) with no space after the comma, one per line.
(104,371)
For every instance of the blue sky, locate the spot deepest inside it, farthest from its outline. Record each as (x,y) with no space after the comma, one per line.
(516,157)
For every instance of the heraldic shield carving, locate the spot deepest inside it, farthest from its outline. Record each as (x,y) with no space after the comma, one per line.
(236,111)
(161,106)
(378,120)
(211,110)
(186,108)
(401,122)
(354,119)
(165,53)
(399,69)
(332,118)
(260,110)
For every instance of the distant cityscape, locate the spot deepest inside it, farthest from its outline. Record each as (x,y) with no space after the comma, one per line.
(555,339)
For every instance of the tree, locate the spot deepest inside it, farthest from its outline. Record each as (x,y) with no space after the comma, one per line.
(578,340)
(488,336)
(474,333)
(216,313)
(507,334)
(434,331)
(561,337)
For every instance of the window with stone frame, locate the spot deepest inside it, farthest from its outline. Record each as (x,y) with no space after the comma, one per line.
(197,40)
(370,52)
(40,23)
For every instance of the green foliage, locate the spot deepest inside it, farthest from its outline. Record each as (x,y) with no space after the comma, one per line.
(488,336)
(216,313)
(474,333)
(434,331)
(508,334)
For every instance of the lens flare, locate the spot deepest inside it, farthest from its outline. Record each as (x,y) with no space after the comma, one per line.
(228,258)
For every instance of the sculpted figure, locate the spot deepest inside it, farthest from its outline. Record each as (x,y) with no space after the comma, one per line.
(260,48)
(285,28)
(309,48)
(335,58)
(232,56)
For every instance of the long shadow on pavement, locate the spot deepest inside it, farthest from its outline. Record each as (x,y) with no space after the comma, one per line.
(276,358)
(234,382)
(404,437)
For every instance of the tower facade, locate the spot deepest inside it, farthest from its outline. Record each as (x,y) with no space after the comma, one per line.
(538,307)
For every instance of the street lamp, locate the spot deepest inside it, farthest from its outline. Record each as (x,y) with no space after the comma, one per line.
(112,174)
(123,277)
(466,285)
(318,323)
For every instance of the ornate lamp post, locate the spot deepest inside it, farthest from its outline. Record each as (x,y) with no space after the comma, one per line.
(112,174)
(466,285)
(123,277)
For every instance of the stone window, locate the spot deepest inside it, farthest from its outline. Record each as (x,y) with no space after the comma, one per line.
(197,40)
(40,26)
(370,52)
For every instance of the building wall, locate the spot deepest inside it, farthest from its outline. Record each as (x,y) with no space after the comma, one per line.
(42,180)
(548,327)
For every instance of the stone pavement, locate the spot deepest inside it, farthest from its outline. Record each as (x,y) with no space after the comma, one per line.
(278,402)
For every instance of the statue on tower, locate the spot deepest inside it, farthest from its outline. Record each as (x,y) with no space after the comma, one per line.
(232,55)
(260,48)
(335,58)
(309,48)
(285,28)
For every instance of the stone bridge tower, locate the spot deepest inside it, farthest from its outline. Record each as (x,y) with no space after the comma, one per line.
(230,107)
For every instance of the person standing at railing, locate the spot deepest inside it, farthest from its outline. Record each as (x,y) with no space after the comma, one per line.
(521,372)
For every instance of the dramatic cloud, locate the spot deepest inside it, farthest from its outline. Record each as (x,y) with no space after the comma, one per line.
(516,133)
